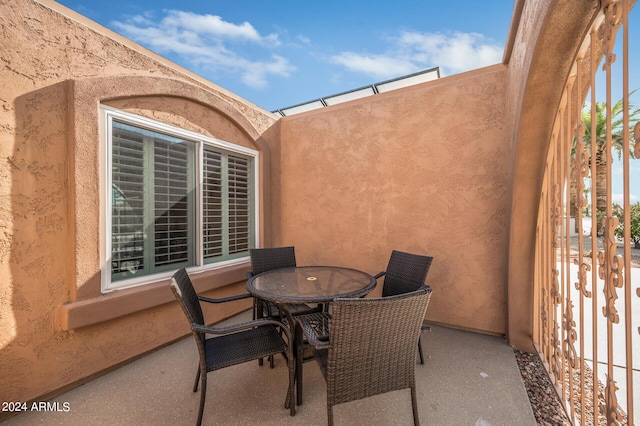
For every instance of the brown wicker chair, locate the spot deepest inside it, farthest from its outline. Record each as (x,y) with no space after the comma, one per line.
(371,347)
(234,344)
(268,259)
(405,272)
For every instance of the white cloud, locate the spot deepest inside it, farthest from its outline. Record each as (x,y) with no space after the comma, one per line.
(304,39)
(255,73)
(210,25)
(210,43)
(413,51)
(379,66)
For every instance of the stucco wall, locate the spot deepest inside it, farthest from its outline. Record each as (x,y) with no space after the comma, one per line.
(423,170)
(55,71)
(546,37)
(429,169)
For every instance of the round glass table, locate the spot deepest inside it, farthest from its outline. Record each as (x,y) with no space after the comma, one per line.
(310,284)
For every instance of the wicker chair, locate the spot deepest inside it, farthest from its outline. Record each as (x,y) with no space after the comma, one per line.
(268,259)
(234,344)
(371,347)
(405,272)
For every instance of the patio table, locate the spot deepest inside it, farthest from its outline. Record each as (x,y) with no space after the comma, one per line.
(309,284)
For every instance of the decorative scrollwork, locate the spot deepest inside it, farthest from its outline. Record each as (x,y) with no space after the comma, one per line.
(544,315)
(636,138)
(610,406)
(638,294)
(555,286)
(607,31)
(610,269)
(556,213)
(581,284)
(580,167)
(569,325)
(581,171)
(556,368)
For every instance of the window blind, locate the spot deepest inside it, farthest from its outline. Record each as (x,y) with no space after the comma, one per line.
(212,203)
(155,224)
(172,203)
(127,200)
(239,213)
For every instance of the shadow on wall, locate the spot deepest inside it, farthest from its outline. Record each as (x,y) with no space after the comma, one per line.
(38,357)
(36,233)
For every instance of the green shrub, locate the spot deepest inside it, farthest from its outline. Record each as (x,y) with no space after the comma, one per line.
(635,223)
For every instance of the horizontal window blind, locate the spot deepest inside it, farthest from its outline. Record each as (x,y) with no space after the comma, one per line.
(239,212)
(127,199)
(155,220)
(212,202)
(172,207)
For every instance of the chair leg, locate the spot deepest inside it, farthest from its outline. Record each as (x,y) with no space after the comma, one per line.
(257,313)
(195,385)
(420,351)
(299,362)
(291,392)
(298,349)
(414,404)
(329,415)
(203,394)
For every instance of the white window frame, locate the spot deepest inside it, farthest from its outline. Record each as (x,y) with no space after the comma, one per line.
(107,114)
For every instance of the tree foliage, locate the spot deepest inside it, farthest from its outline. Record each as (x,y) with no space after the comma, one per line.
(634,223)
(600,138)
(617,126)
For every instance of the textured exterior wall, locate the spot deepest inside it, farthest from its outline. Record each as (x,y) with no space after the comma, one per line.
(422,170)
(431,169)
(547,36)
(55,71)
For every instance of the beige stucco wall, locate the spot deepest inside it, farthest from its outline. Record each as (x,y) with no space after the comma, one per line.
(55,327)
(546,37)
(450,168)
(423,170)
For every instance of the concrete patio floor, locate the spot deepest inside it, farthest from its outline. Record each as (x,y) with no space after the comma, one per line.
(467,379)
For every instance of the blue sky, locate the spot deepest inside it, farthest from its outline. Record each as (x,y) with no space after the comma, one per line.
(278,54)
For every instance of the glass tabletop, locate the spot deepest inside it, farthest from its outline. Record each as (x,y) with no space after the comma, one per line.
(309,284)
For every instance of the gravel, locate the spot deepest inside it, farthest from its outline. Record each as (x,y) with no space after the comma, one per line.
(546,406)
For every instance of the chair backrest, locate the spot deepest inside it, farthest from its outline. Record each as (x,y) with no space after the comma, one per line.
(373,345)
(185,293)
(405,272)
(267,259)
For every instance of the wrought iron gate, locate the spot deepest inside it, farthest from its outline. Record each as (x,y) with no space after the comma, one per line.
(587,275)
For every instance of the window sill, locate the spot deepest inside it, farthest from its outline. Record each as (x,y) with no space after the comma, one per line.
(124,302)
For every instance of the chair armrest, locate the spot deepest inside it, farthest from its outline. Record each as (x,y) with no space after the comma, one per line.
(379,274)
(319,345)
(249,275)
(224,299)
(315,328)
(204,329)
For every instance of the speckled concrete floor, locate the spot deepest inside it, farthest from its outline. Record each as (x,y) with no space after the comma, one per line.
(467,379)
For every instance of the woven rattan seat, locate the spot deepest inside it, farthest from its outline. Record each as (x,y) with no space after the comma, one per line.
(233,344)
(371,347)
(405,272)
